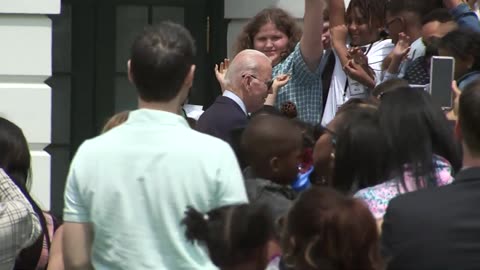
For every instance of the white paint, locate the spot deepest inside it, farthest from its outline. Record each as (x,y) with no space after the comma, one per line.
(29,107)
(30,6)
(40,178)
(26,45)
(26,53)
(245,9)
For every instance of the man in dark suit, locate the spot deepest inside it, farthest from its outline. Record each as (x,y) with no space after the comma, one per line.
(249,80)
(439,228)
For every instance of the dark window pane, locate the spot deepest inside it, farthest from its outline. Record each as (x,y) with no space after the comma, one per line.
(125,94)
(164,13)
(130,20)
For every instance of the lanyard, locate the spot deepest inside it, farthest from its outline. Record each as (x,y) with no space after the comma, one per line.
(346,80)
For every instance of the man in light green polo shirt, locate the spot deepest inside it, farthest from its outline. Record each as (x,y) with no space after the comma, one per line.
(127,189)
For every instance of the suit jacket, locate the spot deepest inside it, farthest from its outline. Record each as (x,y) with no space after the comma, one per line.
(222,118)
(436,228)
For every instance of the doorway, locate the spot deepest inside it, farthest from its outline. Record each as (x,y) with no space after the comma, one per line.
(91,42)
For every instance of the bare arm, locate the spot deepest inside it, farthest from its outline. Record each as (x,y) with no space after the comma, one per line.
(338,30)
(278,83)
(311,44)
(77,246)
(55,257)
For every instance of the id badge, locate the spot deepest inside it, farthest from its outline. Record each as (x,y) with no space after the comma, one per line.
(356,89)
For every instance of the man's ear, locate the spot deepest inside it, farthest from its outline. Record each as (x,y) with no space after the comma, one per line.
(129,70)
(247,83)
(275,165)
(188,82)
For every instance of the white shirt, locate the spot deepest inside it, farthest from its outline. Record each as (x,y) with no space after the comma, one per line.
(135,182)
(339,93)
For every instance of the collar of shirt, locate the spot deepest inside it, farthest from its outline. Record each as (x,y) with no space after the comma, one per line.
(417,49)
(157,117)
(237,100)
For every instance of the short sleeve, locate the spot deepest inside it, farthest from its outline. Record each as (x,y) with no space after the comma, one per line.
(304,88)
(75,209)
(230,183)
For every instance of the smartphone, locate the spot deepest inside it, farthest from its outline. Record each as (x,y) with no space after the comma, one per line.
(441,76)
(419,87)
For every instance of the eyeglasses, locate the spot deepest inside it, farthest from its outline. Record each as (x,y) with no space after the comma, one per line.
(388,24)
(268,83)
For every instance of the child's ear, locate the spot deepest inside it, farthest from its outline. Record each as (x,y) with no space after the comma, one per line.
(275,164)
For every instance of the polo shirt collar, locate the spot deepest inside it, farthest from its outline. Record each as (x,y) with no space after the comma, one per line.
(155,117)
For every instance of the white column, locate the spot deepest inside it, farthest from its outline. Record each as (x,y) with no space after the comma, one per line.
(25,99)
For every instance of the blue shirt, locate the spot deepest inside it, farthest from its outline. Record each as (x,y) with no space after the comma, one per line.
(465,17)
(134,183)
(304,88)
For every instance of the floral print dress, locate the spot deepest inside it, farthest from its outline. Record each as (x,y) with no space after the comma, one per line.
(378,197)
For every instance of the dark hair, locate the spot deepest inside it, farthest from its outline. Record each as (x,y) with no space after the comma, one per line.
(359,151)
(372,10)
(267,136)
(15,160)
(418,7)
(326,230)
(354,103)
(280,18)
(388,86)
(463,44)
(432,47)
(469,117)
(266,110)
(14,153)
(308,132)
(161,58)
(441,15)
(233,234)
(415,130)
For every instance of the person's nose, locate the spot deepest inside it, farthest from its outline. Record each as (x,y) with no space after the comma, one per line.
(269,43)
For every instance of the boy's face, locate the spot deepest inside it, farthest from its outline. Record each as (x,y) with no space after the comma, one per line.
(288,165)
(394,26)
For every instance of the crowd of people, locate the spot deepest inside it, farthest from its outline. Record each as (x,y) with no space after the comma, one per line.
(320,152)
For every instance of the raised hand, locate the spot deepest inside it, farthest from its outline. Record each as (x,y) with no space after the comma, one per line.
(359,74)
(280,81)
(453,114)
(220,71)
(358,56)
(402,47)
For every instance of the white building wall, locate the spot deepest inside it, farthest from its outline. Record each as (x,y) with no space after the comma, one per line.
(26,53)
(239,11)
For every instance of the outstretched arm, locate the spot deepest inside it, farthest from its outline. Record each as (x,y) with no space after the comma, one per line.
(311,44)
(338,30)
